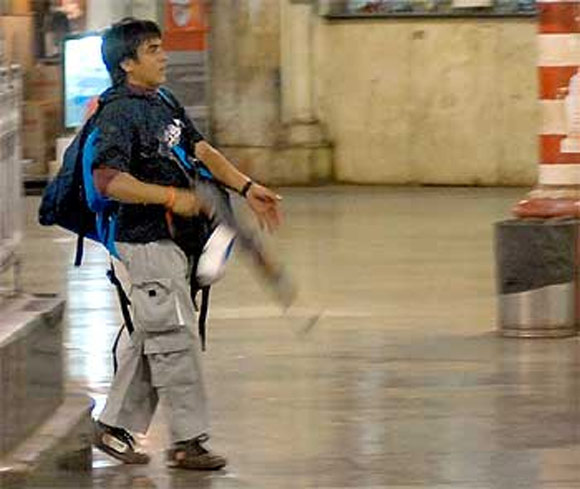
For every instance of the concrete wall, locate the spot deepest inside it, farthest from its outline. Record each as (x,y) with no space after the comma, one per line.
(433,101)
(102,13)
(245,52)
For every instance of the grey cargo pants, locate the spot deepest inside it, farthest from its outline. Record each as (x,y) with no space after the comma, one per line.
(161,359)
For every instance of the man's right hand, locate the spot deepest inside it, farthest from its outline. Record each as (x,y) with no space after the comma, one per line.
(186,204)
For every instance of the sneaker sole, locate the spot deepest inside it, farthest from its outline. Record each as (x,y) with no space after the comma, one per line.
(177,465)
(174,464)
(144,460)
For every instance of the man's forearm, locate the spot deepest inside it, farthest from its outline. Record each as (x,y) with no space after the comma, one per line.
(220,167)
(126,188)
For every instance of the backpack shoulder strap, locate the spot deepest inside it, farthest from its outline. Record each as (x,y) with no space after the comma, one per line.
(78,169)
(169,99)
(179,152)
(125,304)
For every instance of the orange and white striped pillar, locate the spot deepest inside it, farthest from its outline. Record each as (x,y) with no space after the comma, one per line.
(558,191)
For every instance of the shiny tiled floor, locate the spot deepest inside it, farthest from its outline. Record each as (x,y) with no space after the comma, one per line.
(386,373)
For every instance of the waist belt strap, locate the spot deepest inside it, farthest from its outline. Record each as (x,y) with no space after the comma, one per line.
(201,323)
(79,250)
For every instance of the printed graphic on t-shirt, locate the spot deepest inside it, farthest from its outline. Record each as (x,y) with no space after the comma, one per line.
(171,136)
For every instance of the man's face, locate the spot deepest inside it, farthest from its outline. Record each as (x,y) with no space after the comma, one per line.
(148,70)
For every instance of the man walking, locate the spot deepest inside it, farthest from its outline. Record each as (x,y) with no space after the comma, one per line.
(160,360)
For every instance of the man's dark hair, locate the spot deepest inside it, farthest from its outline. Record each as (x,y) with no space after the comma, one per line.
(120,42)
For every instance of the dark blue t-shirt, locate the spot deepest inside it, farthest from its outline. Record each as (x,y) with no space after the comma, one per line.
(137,131)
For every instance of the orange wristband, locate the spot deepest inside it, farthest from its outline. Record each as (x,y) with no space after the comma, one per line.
(171,196)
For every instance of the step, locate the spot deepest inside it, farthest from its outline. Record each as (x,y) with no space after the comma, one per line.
(58,450)
(31,365)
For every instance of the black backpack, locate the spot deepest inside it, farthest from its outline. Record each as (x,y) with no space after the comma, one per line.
(71,201)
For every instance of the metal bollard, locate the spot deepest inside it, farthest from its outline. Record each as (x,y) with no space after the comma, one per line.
(535,262)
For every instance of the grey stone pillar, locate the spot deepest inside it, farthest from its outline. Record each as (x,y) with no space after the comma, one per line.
(309,154)
(263,103)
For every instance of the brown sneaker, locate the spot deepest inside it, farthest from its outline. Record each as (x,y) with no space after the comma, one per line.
(192,455)
(118,443)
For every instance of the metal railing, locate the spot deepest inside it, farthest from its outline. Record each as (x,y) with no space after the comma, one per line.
(11,201)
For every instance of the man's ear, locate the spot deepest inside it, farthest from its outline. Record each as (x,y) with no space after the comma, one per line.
(127,65)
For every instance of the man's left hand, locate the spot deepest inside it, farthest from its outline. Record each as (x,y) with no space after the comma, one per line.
(265,205)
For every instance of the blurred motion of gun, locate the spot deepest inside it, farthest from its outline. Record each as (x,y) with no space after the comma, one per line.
(215,201)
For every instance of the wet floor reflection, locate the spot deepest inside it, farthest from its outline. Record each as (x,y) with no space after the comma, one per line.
(386,374)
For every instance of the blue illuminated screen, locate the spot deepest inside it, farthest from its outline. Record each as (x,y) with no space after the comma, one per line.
(85,76)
